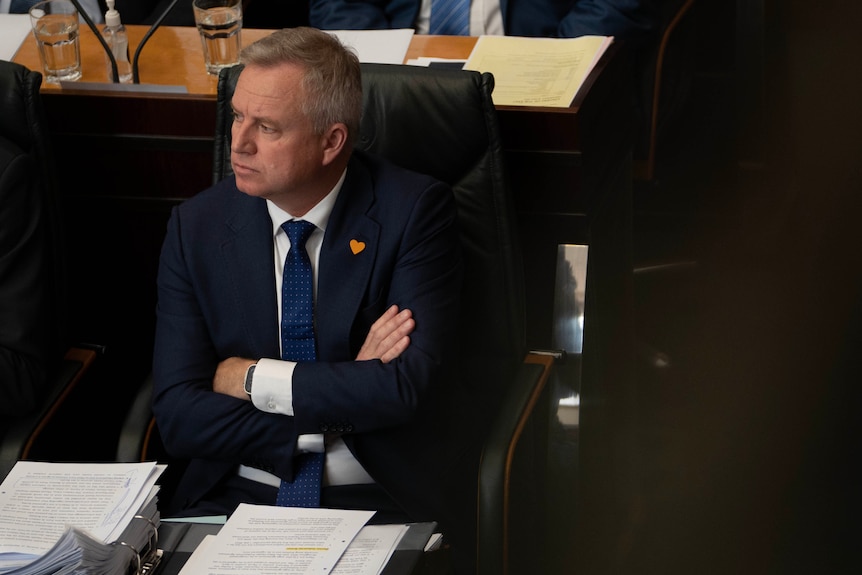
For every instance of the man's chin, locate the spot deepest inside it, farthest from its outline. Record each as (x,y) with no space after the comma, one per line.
(248,187)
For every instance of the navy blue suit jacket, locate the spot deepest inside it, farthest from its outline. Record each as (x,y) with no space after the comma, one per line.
(216,299)
(538,18)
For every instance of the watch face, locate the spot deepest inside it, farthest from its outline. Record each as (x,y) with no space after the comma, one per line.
(248,375)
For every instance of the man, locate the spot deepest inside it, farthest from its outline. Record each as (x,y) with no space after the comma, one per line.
(538,18)
(387,268)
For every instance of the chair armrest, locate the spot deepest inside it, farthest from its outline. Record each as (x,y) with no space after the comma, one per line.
(24,431)
(137,426)
(495,466)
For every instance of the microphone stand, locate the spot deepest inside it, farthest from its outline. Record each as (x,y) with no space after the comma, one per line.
(108,51)
(156,24)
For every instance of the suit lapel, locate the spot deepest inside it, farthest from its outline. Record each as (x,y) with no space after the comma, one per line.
(346,262)
(247,253)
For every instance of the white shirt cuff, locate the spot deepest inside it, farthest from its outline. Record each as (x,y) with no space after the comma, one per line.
(272,386)
(310,442)
(272,391)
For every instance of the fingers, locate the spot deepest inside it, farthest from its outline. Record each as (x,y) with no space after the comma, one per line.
(388,337)
(395,350)
(386,318)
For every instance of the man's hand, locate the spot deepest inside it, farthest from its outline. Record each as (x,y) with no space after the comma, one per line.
(389,336)
(230,377)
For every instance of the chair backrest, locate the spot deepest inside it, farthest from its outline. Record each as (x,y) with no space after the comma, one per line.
(26,434)
(23,122)
(442,122)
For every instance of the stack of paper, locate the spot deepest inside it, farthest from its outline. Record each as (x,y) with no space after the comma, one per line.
(537,71)
(377,46)
(71,517)
(299,541)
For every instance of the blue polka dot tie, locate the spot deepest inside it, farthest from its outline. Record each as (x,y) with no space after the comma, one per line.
(297,344)
(297,296)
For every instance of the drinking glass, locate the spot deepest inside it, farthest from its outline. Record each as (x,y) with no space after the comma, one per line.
(55,26)
(220,25)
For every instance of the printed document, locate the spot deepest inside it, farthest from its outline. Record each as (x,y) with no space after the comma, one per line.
(266,539)
(40,502)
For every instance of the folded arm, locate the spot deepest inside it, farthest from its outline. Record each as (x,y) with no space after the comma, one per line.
(388,338)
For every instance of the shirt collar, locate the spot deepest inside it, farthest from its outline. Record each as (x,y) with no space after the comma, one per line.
(318,215)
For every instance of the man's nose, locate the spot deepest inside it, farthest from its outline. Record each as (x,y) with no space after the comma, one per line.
(241,140)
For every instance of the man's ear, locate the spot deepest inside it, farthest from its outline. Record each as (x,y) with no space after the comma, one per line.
(334,142)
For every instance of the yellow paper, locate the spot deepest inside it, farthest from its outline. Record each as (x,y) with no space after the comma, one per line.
(536,71)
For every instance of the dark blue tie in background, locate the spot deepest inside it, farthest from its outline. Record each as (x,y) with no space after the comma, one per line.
(297,344)
(450,17)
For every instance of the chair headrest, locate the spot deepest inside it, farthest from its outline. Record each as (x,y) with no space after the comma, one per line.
(413,107)
(19,87)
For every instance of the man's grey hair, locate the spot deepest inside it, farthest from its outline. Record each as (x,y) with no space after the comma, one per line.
(332,80)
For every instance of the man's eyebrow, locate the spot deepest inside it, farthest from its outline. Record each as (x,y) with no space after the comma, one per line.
(258,119)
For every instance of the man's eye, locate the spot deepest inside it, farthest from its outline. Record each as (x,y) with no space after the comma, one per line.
(266,129)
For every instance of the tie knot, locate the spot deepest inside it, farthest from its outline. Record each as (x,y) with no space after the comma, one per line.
(298,231)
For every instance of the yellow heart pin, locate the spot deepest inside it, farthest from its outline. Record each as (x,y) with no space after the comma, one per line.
(356,246)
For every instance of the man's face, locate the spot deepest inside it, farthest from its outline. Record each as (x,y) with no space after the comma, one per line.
(274,152)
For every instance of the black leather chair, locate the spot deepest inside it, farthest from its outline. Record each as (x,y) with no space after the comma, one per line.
(443,122)
(23,122)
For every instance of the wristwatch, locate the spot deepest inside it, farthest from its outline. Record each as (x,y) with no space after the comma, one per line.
(248,374)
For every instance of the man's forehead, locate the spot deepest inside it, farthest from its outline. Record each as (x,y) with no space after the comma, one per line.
(266,87)
(276,76)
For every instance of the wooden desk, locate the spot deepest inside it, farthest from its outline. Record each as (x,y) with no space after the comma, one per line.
(172,56)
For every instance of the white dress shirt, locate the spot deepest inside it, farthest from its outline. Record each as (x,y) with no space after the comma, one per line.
(272,389)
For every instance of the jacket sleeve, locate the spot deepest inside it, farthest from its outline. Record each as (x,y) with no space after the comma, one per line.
(195,421)
(623,19)
(362,14)
(420,268)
